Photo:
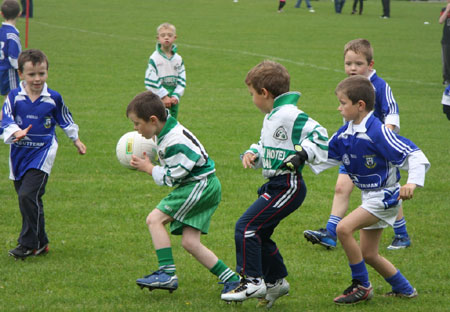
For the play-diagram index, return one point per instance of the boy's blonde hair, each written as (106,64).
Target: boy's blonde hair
(269,75)
(360,46)
(166,25)
(358,88)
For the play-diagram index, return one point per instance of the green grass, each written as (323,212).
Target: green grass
(95,209)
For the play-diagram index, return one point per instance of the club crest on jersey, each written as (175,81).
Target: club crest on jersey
(161,155)
(345,159)
(48,122)
(265,196)
(370,162)
(19,120)
(280,134)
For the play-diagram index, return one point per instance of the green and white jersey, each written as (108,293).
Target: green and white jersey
(284,127)
(165,76)
(182,157)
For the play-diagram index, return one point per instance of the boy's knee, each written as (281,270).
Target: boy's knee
(343,189)
(342,231)
(189,244)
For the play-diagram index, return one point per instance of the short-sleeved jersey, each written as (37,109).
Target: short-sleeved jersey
(372,153)
(37,150)
(165,76)
(10,46)
(284,127)
(182,157)
(386,108)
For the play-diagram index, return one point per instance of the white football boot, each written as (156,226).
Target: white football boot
(274,291)
(245,290)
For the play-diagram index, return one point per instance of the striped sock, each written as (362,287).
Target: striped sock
(400,227)
(332,224)
(224,273)
(165,260)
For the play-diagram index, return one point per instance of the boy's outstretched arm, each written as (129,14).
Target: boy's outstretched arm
(80,146)
(248,160)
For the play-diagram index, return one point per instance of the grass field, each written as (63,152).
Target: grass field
(95,209)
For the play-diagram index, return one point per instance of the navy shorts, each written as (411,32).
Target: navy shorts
(9,80)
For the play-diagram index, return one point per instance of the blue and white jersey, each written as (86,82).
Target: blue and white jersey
(372,153)
(10,46)
(37,150)
(386,108)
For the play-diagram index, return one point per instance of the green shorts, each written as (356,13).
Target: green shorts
(192,204)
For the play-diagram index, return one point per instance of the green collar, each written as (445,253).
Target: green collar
(158,48)
(286,98)
(171,122)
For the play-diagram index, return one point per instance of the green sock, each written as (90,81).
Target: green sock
(165,260)
(224,273)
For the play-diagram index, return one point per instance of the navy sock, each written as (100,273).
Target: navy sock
(400,284)
(359,272)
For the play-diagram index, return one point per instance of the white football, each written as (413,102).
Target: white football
(132,143)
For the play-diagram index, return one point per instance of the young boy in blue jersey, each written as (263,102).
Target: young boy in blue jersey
(286,131)
(184,164)
(165,75)
(9,50)
(358,60)
(371,154)
(30,114)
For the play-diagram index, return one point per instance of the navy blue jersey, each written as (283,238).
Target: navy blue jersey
(37,150)
(370,152)
(10,46)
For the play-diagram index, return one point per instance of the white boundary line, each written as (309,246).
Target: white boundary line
(275,58)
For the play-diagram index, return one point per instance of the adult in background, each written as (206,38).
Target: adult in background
(24,8)
(386,8)
(445,42)
(338,5)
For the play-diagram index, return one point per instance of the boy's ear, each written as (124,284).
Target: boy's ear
(266,93)
(362,105)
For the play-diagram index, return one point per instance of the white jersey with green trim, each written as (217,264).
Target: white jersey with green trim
(181,155)
(284,127)
(165,76)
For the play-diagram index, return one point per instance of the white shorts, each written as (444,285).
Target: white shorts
(383,204)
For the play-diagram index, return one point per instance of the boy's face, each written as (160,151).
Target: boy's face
(146,128)
(349,110)
(356,64)
(263,101)
(166,37)
(34,76)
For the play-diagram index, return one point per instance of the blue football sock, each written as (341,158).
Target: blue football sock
(332,224)
(400,227)
(359,272)
(400,284)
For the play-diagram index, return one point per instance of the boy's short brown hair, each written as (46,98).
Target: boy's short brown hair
(32,55)
(10,9)
(147,104)
(358,88)
(270,75)
(360,46)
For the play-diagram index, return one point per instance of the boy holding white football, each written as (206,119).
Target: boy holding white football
(287,132)
(165,75)
(184,164)
(372,154)
(30,114)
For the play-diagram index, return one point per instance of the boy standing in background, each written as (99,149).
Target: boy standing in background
(10,49)
(166,75)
